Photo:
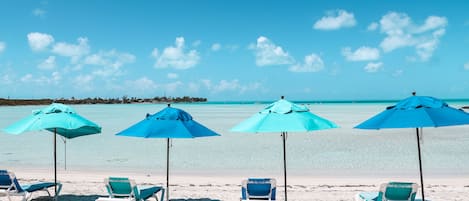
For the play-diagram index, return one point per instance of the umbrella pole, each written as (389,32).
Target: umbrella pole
(284,164)
(167,169)
(55,163)
(420,165)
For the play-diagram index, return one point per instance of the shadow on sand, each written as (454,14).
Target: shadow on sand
(70,198)
(196,199)
(94,197)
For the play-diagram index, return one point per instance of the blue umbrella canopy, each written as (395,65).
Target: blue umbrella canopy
(417,112)
(168,123)
(57,117)
(284,116)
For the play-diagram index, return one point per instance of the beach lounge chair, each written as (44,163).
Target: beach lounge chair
(392,191)
(123,187)
(10,186)
(258,189)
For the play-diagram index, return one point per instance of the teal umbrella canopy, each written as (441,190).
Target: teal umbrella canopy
(57,117)
(284,116)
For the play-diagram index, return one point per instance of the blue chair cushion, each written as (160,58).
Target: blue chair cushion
(37,186)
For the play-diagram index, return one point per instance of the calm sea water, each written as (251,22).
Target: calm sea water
(344,150)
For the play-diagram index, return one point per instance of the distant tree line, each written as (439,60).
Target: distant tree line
(97,100)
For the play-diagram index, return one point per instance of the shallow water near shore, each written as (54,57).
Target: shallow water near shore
(337,152)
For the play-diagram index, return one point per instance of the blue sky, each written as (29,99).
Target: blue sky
(234,50)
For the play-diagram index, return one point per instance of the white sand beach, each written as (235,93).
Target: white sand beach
(88,186)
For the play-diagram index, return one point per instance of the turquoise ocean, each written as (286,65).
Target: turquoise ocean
(343,151)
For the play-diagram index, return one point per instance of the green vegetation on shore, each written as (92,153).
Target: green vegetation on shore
(123,100)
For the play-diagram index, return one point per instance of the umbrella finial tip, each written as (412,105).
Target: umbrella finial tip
(169,104)
(282,97)
(413,93)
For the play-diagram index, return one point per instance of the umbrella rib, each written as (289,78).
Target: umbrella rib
(431,119)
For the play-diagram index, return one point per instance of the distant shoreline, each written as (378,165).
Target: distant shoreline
(123,100)
(185,99)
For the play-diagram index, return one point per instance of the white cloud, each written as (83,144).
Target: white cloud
(39,12)
(361,54)
(172,75)
(173,86)
(373,26)
(6,79)
(335,20)
(142,84)
(54,78)
(466,66)
(402,32)
(312,63)
(111,61)
(196,43)
(175,56)
(3,46)
(47,64)
(26,78)
(75,51)
(373,67)
(228,85)
(39,41)
(267,53)
(216,46)
(83,82)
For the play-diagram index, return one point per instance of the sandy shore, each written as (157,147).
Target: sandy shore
(88,186)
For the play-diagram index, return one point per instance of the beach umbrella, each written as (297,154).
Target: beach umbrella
(284,116)
(59,119)
(417,112)
(168,123)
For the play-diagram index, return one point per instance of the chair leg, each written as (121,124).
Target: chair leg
(8,195)
(26,196)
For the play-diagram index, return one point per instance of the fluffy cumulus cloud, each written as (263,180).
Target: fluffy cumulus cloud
(74,51)
(176,56)
(312,63)
(402,32)
(228,85)
(335,20)
(3,46)
(47,64)
(361,54)
(215,47)
(141,85)
(83,82)
(172,75)
(110,61)
(53,78)
(268,53)
(373,67)
(373,26)
(39,41)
